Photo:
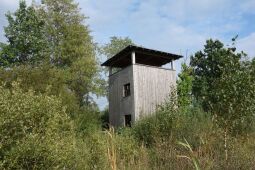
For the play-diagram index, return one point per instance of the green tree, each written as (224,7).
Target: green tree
(253,67)
(208,66)
(184,86)
(68,67)
(26,42)
(115,45)
(224,83)
(72,48)
(43,79)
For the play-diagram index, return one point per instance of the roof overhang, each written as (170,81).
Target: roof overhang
(142,55)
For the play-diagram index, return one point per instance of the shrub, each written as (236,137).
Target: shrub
(34,130)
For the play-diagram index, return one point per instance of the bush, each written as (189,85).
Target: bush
(35,131)
(87,121)
(163,132)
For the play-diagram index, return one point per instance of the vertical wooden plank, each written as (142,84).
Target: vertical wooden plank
(150,86)
(153,88)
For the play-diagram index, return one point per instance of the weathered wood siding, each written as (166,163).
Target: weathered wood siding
(119,105)
(152,86)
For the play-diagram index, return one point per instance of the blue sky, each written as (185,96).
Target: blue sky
(173,26)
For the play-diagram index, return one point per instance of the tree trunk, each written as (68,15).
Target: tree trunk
(225,144)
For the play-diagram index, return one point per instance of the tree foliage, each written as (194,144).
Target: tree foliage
(30,125)
(43,79)
(54,35)
(71,47)
(224,83)
(184,86)
(25,37)
(115,45)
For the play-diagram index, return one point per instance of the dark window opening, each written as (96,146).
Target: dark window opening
(128,120)
(126,90)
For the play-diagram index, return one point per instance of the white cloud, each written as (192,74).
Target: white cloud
(149,28)
(9,2)
(248,6)
(168,25)
(194,18)
(106,18)
(247,44)
(173,26)
(196,9)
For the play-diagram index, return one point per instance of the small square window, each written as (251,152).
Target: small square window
(126,90)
